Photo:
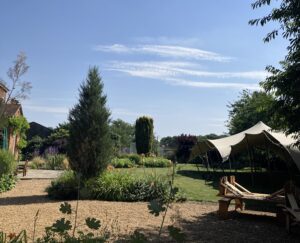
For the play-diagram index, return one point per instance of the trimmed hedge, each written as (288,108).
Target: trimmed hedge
(134,160)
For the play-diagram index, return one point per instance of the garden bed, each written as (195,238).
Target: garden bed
(198,220)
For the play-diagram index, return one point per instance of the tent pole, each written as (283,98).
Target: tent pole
(251,162)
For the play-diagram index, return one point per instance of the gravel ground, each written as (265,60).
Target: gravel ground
(198,220)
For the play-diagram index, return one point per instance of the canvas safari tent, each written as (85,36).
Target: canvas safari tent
(259,135)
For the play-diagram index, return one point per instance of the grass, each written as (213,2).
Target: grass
(187,179)
(196,184)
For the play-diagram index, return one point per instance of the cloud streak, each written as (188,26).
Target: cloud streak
(185,73)
(170,51)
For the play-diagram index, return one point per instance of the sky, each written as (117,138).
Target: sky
(180,62)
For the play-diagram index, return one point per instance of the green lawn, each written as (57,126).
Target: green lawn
(199,185)
(187,179)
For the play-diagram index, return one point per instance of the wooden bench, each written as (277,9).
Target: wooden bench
(23,168)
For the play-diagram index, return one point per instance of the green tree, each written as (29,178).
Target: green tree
(123,131)
(144,135)
(284,83)
(249,110)
(89,141)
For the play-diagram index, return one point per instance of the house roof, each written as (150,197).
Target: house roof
(12,109)
(2,85)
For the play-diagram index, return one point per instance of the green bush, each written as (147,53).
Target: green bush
(155,162)
(133,157)
(7,182)
(115,186)
(122,163)
(56,162)
(112,186)
(38,163)
(64,187)
(132,160)
(8,164)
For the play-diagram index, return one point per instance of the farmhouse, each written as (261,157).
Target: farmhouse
(9,140)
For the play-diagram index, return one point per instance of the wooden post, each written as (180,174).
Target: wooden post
(251,162)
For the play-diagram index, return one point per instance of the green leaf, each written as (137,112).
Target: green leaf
(176,234)
(156,207)
(92,223)
(65,208)
(61,226)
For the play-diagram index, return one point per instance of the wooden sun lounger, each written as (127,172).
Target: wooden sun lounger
(291,208)
(230,189)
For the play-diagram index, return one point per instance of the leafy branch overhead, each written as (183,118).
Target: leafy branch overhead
(284,82)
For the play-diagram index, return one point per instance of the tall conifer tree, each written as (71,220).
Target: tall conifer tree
(89,140)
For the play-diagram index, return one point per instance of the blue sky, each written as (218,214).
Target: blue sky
(180,62)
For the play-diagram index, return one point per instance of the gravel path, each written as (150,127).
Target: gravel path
(199,221)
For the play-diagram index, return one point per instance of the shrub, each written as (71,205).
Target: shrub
(132,160)
(7,182)
(38,163)
(8,164)
(64,187)
(112,186)
(155,162)
(122,163)
(56,162)
(116,186)
(133,157)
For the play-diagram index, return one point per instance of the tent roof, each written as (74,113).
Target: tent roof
(259,135)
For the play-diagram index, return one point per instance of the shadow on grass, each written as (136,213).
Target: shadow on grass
(240,227)
(262,182)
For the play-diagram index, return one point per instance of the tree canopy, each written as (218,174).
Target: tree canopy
(284,82)
(249,109)
(124,132)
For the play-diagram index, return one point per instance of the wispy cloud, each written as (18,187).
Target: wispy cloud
(171,51)
(174,69)
(185,73)
(196,84)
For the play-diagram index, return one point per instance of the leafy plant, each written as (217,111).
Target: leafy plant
(8,164)
(19,126)
(122,163)
(63,230)
(38,163)
(64,187)
(7,182)
(56,162)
